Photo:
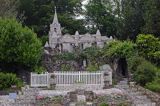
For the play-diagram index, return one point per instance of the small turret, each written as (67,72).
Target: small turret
(46,45)
(110,37)
(98,33)
(77,33)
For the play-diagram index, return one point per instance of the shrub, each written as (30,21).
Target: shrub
(66,56)
(144,73)
(39,69)
(9,79)
(154,85)
(18,45)
(148,47)
(104,104)
(123,104)
(134,62)
(118,49)
(92,68)
(65,67)
(91,53)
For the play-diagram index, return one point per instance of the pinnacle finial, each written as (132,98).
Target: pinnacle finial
(77,33)
(98,32)
(55,8)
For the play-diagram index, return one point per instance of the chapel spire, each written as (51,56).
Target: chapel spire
(55,20)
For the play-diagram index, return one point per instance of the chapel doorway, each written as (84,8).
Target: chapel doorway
(122,68)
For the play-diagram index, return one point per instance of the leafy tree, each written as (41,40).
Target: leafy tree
(148,47)
(101,15)
(19,45)
(37,14)
(8,8)
(70,25)
(151,17)
(132,13)
(40,13)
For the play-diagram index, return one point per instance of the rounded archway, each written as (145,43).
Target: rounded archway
(122,69)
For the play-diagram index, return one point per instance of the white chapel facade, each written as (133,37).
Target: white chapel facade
(68,42)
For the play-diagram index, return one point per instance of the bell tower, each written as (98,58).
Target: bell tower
(55,27)
(55,31)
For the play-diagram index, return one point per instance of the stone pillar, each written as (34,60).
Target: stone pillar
(106,81)
(52,82)
(107,75)
(84,63)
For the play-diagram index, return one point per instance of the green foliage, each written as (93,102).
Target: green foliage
(123,104)
(104,104)
(44,39)
(9,79)
(118,49)
(124,19)
(91,53)
(18,45)
(151,17)
(134,62)
(65,67)
(66,56)
(154,85)
(132,20)
(39,69)
(40,13)
(8,8)
(92,67)
(57,99)
(99,14)
(148,47)
(71,25)
(144,73)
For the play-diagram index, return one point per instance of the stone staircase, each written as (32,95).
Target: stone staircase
(137,97)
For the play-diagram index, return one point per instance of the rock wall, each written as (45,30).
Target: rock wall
(56,65)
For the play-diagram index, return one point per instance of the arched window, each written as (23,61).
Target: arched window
(55,29)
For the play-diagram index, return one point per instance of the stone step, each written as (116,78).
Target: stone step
(123,82)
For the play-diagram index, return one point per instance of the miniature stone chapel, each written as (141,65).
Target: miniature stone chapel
(67,42)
